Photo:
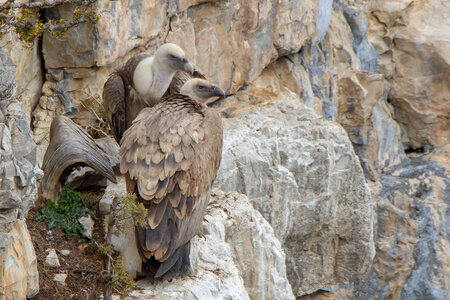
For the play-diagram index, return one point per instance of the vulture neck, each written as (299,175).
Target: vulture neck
(151,80)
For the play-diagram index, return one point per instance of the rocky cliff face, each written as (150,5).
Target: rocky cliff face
(19,175)
(412,38)
(301,173)
(311,84)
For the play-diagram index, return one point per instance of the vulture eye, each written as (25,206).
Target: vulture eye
(201,87)
(172,56)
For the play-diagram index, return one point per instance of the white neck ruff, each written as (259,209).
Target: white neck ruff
(151,80)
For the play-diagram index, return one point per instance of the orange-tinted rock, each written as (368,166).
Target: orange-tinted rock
(19,278)
(413,40)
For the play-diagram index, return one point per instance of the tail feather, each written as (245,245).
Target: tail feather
(177,264)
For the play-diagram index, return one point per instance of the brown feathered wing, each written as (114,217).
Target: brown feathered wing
(171,155)
(120,102)
(114,104)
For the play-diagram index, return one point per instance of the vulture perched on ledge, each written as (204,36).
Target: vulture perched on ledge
(140,83)
(170,156)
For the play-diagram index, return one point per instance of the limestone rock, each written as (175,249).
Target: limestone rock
(412,256)
(64,252)
(47,108)
(88,225)
(60,278)
(238,257)
(122,239)
(301,173)
(19,171)
(336,79)
(104,205)
(258,34)
(21,71)
(78,52)
(215,276)
(19,278)
(412,38)
(256,251)
(367,117)
(52,258)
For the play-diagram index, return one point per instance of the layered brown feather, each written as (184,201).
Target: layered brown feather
(171,155)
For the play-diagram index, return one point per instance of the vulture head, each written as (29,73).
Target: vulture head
(202,91)
(171,58)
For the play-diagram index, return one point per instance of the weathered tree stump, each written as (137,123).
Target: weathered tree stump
(70,146)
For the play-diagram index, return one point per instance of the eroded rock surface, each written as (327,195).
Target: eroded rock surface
(412,38)
(412,250)
(323,51)
(21,72)
(18,264)
(299,170)
(238,256)
(19,173)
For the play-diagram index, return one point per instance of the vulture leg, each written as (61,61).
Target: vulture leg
(70,146)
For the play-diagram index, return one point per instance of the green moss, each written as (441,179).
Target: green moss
(71,206)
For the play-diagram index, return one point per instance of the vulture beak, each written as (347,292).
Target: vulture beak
(188,66)
(217,91)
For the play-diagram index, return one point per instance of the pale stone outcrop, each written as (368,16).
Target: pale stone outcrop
(21,72)
(19,173)
(336,79)
(238,256)
(301,173)
(52,259)
(257,253)
(364,112)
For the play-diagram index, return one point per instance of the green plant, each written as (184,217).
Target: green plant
(124,210)
(122,282)
(131,209)
(71,206)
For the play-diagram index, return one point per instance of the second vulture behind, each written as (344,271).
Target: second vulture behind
(140,83)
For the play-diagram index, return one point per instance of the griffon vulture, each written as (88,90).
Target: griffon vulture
(170,156)
(140,83)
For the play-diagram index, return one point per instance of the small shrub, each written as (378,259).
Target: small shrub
(122,282)
(132,209)
(99,127)
(71,206)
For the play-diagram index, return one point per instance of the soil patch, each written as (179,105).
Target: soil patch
(83,265)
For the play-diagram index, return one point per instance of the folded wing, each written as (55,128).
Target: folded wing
(171,155)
